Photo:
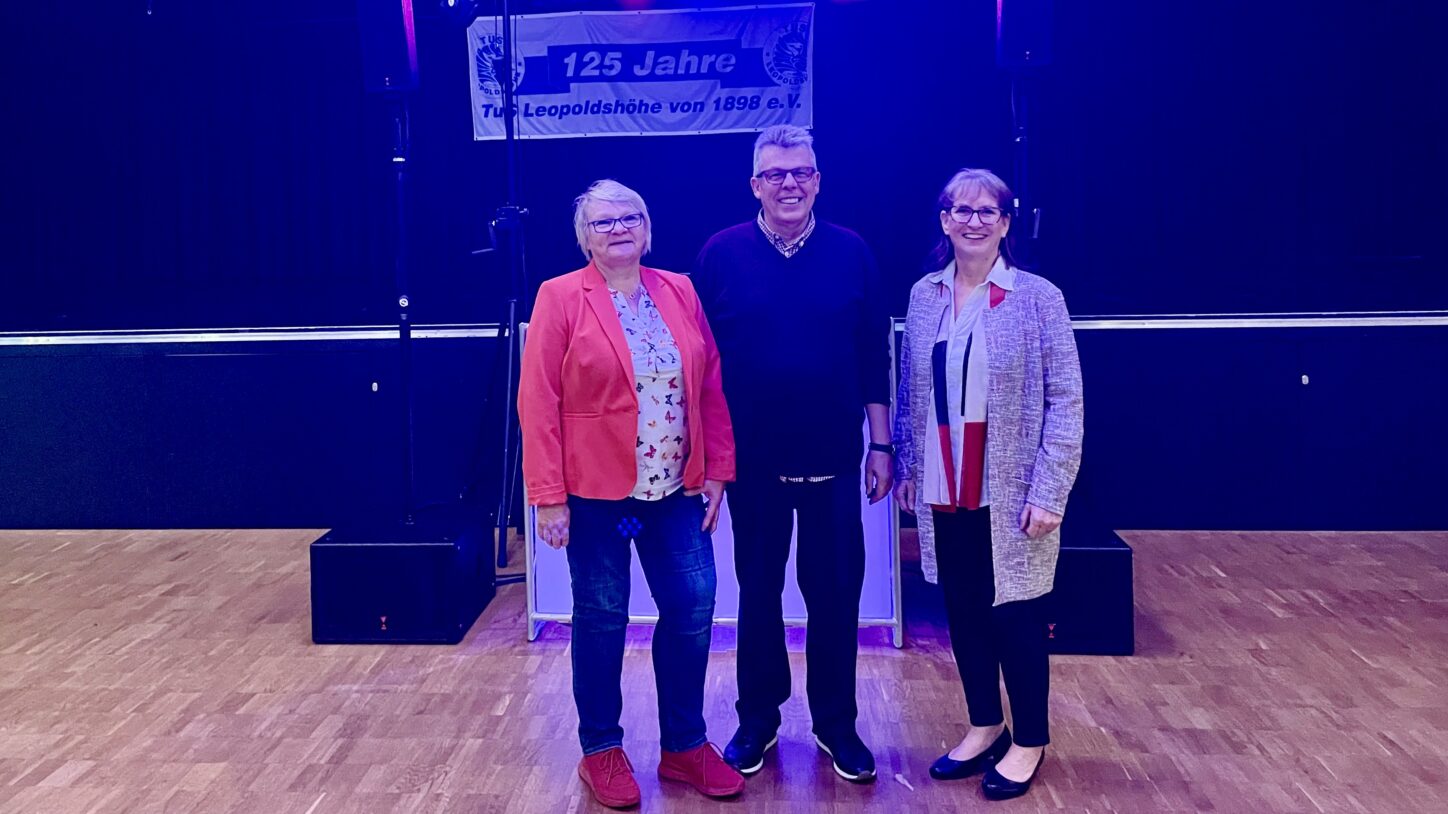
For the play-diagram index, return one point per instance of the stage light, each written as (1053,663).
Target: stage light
(460,11)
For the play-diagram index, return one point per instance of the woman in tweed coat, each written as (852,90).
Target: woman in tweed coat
(988,432)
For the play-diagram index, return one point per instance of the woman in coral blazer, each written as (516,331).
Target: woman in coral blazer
(626,438)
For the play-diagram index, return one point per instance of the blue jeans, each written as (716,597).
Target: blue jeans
(678,562)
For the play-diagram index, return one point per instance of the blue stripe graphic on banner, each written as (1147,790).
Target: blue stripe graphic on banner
(726,61)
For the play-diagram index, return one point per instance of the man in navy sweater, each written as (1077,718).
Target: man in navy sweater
(795,304)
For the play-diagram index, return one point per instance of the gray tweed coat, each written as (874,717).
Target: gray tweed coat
(1033,424)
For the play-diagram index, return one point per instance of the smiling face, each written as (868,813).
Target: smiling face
(787,204)
(619,246)
(974,239)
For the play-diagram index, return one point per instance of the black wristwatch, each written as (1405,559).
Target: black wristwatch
(885,448)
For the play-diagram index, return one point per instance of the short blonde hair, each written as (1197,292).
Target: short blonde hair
(613,192)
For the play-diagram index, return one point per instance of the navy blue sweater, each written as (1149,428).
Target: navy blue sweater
(804,342)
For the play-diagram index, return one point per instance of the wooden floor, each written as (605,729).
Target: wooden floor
(173,671)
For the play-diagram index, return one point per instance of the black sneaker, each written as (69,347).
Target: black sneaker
(746,749)
(851,757)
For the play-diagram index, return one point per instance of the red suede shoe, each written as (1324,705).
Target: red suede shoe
(703,768)
(609,775)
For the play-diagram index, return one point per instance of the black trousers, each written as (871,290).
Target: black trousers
(831,569)
(988,641)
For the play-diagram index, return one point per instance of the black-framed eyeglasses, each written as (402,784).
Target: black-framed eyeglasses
(987,215)
(801,174)
(605,225)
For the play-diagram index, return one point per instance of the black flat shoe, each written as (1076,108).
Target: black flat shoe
(996,786)
(947,769)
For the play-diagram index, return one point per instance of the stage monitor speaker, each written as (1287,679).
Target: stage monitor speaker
(389,44)
(1092,610)
(1023,33)
(391,583)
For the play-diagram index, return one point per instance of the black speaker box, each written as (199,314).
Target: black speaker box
(424,583)
(389,44)
(1092,610)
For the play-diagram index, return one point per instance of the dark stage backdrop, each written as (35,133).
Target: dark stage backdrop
(218,164)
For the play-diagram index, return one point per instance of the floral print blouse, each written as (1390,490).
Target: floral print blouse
(662,444)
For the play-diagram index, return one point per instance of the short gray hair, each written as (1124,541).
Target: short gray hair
(785,137)
(613,192)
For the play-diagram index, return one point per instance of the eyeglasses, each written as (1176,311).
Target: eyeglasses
(605,225)
(986,214)
(801,174)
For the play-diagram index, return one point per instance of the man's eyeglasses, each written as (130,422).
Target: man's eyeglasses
(986,214)
(605,225)
(801,174)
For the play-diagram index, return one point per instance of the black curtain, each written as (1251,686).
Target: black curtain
(218,164)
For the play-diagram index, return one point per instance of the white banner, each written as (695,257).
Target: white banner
(646,73)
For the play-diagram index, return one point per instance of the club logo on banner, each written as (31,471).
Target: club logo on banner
(489,58)
(630,73)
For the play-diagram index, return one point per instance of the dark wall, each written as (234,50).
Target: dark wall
(218,164)
(275,434)
(1185,429)
(1264,428)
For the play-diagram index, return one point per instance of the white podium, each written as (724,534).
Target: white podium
(550,598)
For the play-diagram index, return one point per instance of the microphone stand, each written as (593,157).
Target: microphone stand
(508,221)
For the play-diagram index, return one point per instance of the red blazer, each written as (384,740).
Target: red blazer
(576,400)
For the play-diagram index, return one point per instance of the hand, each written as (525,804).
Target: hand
(713,493)
(553,524)
(1036,522)
(905,495)
(878,475)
